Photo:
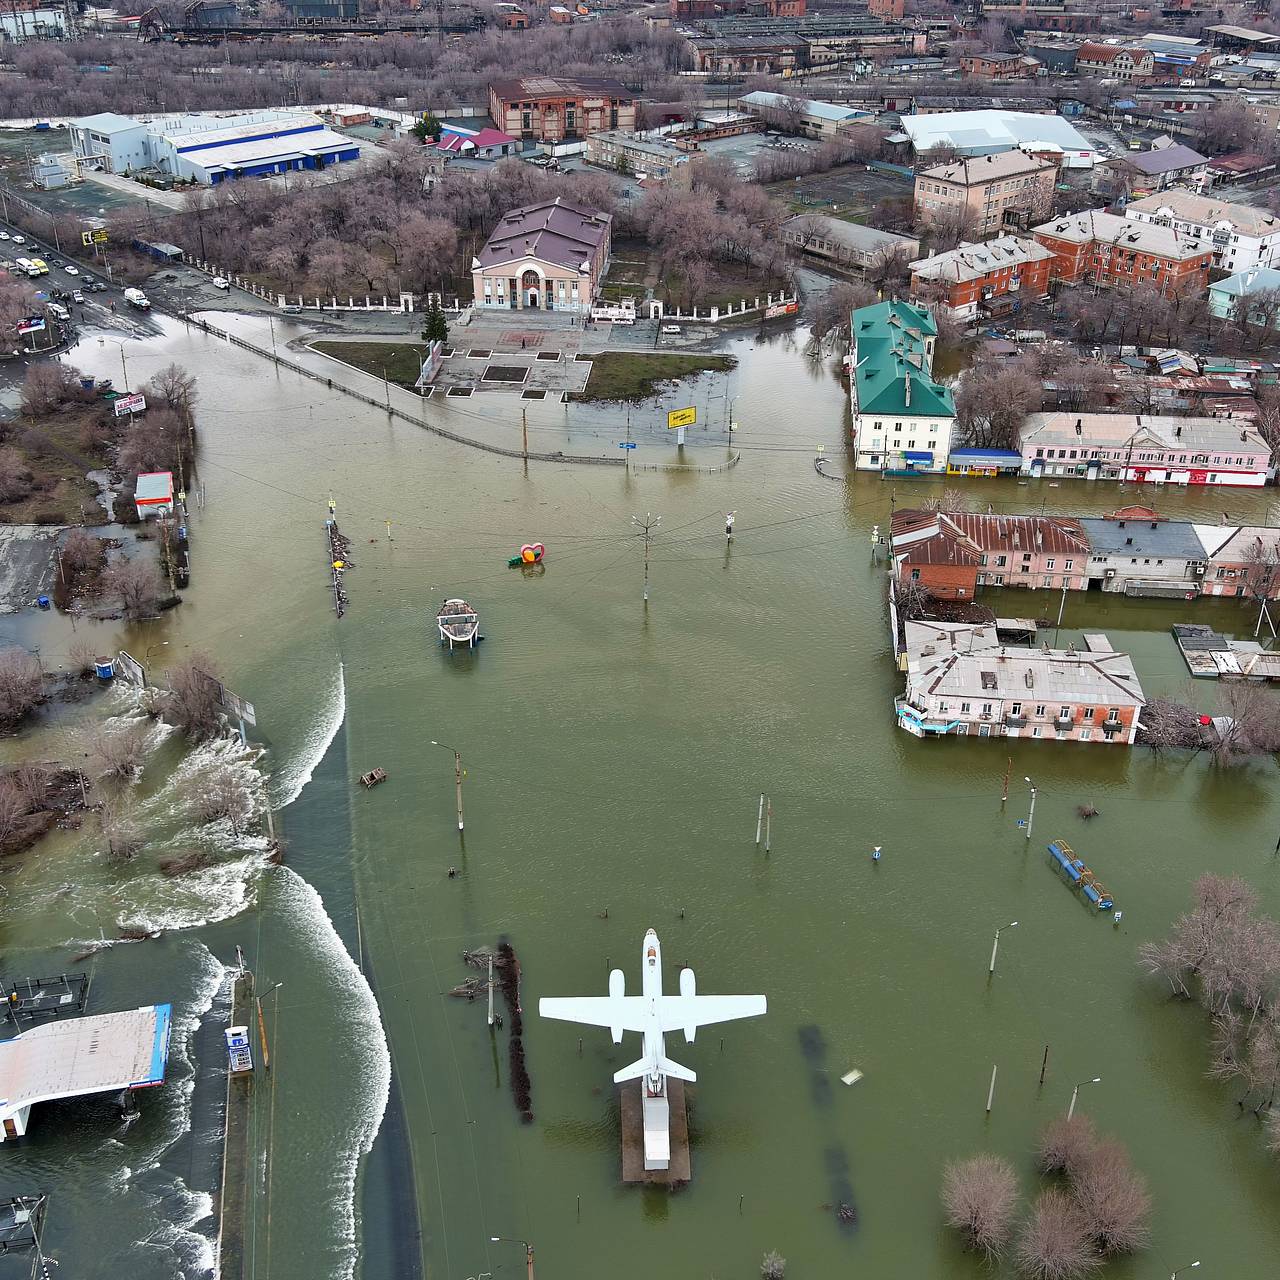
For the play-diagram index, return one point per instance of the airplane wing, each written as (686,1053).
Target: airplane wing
(679,1012)
(626,1012)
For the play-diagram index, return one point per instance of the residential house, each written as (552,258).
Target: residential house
(1144,447)
(1031,551)
(902,418)
(999,66)
(1242,236)
(476,144)
(1142,172)
(1114,61)
(1136,552)
(1105,249)
(929,548)
(993,278)
(1241,560)
(848,244)
(555,109)
(1229,298)
(961,679)
(549,256)
(980,193)
(652,160)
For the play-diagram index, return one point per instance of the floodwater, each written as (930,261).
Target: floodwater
(614,756)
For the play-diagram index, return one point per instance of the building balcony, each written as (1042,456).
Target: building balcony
(1015,722)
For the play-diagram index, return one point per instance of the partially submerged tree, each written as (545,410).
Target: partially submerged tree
(1066,1145)
(1168,723)
(118,753)
(191,701)
(992,403)
(1055,1244)
(1113,1200)
(136,584)
(773,1266)
(21,685)
(979,1197)
(220,791)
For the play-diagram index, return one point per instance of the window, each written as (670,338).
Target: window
(964,708)
(1001,561)
(1113,713)
(986,708)
(1040,711)
(1048,564)
(1035,732)
(1026,555)
(1064,713)
(1088,713)
(1066,564)
(1086,735)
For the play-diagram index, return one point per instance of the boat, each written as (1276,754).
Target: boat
(459,624)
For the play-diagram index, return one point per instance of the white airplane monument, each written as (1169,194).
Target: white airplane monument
(653,1015)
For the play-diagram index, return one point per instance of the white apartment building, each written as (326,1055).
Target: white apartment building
(1241,236)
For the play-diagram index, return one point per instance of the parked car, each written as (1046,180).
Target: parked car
(56,263)
(71,271)
(77,296)
(221,282)
(4,235)
(17,239)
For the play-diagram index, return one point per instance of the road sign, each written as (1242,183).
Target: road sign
(626,444)
(1022,822)
(88,238)
(681,418)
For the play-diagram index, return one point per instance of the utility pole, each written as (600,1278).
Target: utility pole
(524,431)
(648,529)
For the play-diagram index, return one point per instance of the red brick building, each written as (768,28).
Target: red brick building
(928,548)
(999,66)
(887,9)
(1101,248)
(1115,61)
(990,278)
(551,109)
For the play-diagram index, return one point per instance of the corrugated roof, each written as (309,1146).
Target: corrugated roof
(892,366)
(554,231)
(969,262)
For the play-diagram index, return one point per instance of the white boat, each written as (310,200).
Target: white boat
(459,624)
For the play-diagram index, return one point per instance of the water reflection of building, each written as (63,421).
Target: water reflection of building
(549,256)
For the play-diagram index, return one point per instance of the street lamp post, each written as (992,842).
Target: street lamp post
(124,368)
(528,1250)
(1188,1267)
(1071,1110)
(1013,924)
(1031,812)
(457,776)
(262,1026)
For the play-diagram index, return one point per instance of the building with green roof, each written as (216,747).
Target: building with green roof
(902,418)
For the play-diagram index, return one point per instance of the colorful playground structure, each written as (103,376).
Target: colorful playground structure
(1078,876)
(530,553)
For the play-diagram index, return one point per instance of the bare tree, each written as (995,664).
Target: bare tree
(979,1197)
(35,782)
(21,685)
(1055,1244)
(1168,723)
(191,702)
(1066,1146)
(175,389)
(950,501)
(829,312)
(46,388)
(1113,1200)
(121,832)
(1250,719)
(992,403)
(81,551)
(773,1266)
(118,753)
(15,476)
(136,584)
(914,599)
(83,657)
(219,792)
(14,811)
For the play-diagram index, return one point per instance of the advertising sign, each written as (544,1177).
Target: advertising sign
(681,418)
(134,403)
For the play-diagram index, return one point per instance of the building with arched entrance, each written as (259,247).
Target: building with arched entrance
(544,257)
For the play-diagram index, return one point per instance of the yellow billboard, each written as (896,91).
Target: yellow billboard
(681,418)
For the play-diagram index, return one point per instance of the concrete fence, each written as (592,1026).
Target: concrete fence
(714,315)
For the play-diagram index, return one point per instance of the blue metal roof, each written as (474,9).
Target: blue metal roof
(996,455)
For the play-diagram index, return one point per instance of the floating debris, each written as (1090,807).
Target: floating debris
(851,1077)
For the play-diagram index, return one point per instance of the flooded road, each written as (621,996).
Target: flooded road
(614,756)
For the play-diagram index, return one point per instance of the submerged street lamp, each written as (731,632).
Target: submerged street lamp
(1071,1110)
(457,776)
(1031,812)
(1013,924)
(1188,1267)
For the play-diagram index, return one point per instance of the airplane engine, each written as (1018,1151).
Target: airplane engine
(689,987)
(617,989)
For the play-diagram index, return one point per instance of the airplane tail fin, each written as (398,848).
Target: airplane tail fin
(640,1068)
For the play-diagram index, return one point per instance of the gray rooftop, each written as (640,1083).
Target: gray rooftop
(1168,539)
(853,235)
(553,231)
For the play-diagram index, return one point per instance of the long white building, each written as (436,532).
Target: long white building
(209,149)
(1241,236)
